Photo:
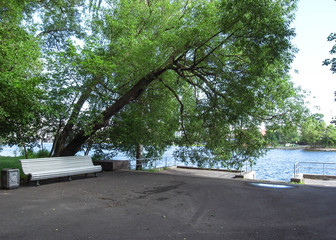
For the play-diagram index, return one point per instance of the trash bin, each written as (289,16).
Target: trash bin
(10,178)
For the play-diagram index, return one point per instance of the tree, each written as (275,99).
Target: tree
(233,55)
(313,130)
(165,42)
(224,63)
(282,134)
(20,68)
(145,128)
(331,61)
(329,138)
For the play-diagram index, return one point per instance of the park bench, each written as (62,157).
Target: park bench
(55,167)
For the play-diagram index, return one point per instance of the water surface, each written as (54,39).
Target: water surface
(277,164)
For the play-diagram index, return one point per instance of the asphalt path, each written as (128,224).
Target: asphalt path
(142,205)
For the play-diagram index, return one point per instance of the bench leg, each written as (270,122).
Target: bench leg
(96,175)
(86,174)
(37,183)
(69,178)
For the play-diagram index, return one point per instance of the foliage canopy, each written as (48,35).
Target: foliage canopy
(331,61)
(193,73)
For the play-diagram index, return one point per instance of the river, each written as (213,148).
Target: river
(277,164)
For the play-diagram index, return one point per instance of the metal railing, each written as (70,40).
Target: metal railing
(154,163)
(248,164)
(170,161)
(322,168)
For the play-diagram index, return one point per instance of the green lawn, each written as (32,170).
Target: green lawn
(11,162)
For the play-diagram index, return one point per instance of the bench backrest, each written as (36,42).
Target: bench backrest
(54,163)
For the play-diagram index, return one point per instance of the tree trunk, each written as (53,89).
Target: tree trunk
(89,147)
(81,137)
(138,157)
(25,150)
(66,132)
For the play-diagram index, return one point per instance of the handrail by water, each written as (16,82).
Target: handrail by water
(156,162)
(170,161)
(312,165)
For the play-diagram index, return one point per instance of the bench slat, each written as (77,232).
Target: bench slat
(45,175)
(44,168)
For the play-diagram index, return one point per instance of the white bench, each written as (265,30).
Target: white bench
(54,167)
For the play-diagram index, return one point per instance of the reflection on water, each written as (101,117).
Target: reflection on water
(277,164)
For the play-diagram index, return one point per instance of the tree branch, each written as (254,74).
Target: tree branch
(74,115)
(103,119)
(181,108)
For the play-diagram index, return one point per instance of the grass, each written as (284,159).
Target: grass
(301,182)
(11,162)
(155,169)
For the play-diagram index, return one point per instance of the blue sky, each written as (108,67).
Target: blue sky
(315,20)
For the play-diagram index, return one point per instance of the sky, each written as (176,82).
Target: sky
(315,20)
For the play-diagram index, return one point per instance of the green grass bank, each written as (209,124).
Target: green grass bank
(12,162)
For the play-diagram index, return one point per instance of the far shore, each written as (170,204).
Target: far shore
(306,148)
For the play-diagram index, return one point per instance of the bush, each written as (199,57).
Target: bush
(31,154)
(41,153)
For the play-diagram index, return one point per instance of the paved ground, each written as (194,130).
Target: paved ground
(322,183)
(230,175)
(200,173)
(140,205)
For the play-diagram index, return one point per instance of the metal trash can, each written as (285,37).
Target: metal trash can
(10,178)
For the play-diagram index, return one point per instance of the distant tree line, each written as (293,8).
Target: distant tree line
(313,131)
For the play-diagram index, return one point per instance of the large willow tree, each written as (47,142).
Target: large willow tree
(152,73)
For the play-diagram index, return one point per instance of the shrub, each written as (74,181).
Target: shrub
(41,153)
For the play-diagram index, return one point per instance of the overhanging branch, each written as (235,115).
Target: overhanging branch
(181,108)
